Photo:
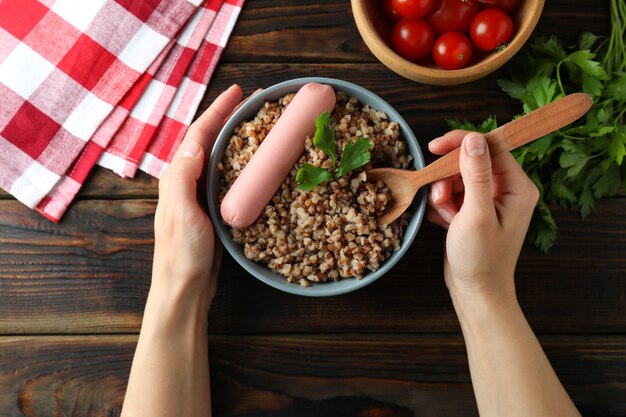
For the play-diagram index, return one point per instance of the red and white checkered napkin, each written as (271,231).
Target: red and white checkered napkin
(77,76)
(176,91)
(181,110)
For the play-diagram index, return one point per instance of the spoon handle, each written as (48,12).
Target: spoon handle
(518,132)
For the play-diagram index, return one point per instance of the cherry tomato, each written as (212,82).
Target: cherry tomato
(452,51)
(507,6)
(490,29)
(391,11)
(411,9)
(452,15)
(412,39)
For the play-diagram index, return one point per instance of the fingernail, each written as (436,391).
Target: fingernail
(445,214)
(475,144)
(258,90)
(192,149)
(435,189)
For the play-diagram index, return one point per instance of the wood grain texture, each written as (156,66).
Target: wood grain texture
(83,273)
(91,273)
(296,375)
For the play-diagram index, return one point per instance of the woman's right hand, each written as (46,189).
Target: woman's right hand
(487,210)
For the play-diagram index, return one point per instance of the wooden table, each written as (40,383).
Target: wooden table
(72,295)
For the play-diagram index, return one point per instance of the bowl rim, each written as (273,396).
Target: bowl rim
(433,76)
(262,272)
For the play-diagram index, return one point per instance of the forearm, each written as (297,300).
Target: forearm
(510,372)
(170,371)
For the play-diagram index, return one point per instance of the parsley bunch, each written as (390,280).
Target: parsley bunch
(355,154)
(583,162)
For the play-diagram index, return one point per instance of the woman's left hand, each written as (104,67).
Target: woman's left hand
(185,256)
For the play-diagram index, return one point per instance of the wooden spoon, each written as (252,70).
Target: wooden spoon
(404,184)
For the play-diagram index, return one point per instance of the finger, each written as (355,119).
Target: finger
(440,191)
(511,178)
(448,142)
(257,91)
(514,190)
(208,125)
(457,185)
(434,217)
(182,177)
(201,133)
(475,166)
(446,210)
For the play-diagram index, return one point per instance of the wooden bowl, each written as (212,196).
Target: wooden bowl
(376,27)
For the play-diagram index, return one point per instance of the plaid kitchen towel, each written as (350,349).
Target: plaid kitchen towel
(130,142)
(179,115)
(64,65)
(134,114)
(111,52)
(60,197)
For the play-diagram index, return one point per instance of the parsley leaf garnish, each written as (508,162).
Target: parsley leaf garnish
(355,155)
(325,137)
(309,176)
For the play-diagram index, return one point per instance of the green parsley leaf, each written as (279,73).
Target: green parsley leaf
(325,137)
(617,147)
(587,40)
(575,162)
(355,154)
(584,60)
(513,88)
(542,230)
(616,89)
(608,184)
(309,176)
(550,47)
(540,91)
(487,125)
(587,201)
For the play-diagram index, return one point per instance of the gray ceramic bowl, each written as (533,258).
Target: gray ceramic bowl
(262,272)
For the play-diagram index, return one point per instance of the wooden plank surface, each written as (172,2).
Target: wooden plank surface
(92,272)
(390,349)
(253,376)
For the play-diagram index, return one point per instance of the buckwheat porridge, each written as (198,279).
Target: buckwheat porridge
(330,232)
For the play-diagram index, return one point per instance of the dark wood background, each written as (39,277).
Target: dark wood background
(72,295)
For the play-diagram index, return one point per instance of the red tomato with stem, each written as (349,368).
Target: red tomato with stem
(507,6)
(390,11)
(411,9)
(491,29)
(412,39)
(452,15)
(452,51)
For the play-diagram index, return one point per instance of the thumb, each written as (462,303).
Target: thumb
(475,167)
(183,176)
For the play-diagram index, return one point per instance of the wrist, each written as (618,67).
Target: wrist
(483,304)
(176,309)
